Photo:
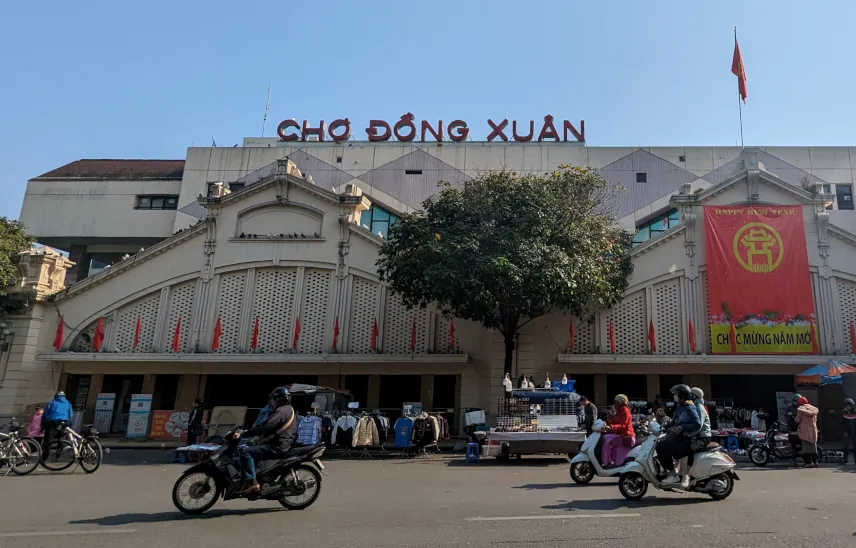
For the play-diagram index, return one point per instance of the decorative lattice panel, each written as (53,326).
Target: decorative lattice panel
(273,305)
(146,309)
(847,302)
(83,341)
(442,342)
(667,317)
(630,325)
(314,312)
(584,342)
(363,314)
(398,329)
(229,303)
(706,301)
(180,306)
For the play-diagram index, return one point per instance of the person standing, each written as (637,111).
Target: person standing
(849,429)
(806,420)
(34,429)
(589,414)
(194,422)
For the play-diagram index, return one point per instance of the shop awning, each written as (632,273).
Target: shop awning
(829,373)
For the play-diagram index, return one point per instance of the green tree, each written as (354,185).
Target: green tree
(507,248)
(13,240)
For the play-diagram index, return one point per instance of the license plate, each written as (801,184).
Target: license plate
(320,464)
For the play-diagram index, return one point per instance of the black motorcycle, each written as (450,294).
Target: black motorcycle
(762,452)
(294,480)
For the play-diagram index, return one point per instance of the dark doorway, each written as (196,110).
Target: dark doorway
(251,391)
(666,384)
(166,388)
(397,389)
(751,391)
(358,386)
(584,385)
(635,387)
(445,392)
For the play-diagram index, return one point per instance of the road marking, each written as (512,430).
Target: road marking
(69,533)
(556,516)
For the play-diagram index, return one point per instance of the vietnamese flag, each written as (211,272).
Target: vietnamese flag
(98,339)
(571,334)
(254,342)
(738,70)
(218,332)
(176,337)
(296,334)
(373,344)
(852,338)
(58,338)
(137,331)
(692,337)
(732,337)
(611,337)
(335,333)
(652,339)
(815,346)
(451,334)
(413,336)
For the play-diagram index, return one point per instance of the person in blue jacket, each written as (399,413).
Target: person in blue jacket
(56,412)
(685,424)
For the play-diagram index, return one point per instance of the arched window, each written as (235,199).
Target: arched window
(656,226)
(378,221)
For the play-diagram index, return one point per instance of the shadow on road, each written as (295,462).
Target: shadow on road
(528,462)
(618,504)
(125,519)
(549,486)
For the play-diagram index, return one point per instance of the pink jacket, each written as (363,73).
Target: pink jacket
(807,423)
(34,430)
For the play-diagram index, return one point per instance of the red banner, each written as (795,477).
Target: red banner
(758,281)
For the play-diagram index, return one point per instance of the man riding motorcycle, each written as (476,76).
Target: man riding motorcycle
(277,434)
(686,423)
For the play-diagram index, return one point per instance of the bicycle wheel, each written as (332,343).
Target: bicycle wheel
(90,455)
(25,456)
(58,456)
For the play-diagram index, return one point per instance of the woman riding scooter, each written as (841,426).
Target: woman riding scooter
(621,437)
(686,422)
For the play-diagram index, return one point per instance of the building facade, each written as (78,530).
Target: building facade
(270,250)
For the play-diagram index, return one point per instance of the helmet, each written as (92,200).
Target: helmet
(796,397)
(697,392)
(682,391)
(621,398)
(60,393)
(280,396)
(849,403)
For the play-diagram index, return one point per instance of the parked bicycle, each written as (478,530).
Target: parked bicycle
(71,447)
(20,453)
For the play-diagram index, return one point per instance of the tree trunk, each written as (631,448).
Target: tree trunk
(509,353)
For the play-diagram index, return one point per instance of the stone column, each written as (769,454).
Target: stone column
(652,385)
(600,395)
(427,394)
(188,389)
(148,384)
(373,397)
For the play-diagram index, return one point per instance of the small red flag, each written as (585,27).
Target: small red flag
(413,336)
(176,337)
(137,331)
(732,338)
(373,344)
(692,337)
(652,339)
(296,334)
(335,333)
(852,338)
(738,69)
(451,334)
(98,339)
(815,345)
(58,338)
(254,342)
(218,332)
(611,337)
(571,334)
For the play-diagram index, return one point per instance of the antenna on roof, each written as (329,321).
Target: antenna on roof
(267,108)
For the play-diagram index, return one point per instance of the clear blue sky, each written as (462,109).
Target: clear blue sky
(109,79)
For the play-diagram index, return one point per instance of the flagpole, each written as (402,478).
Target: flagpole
(739,100)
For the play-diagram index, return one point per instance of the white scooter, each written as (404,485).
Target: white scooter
(586,464)
(712,471)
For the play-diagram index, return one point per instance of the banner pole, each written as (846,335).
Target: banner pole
(739,102)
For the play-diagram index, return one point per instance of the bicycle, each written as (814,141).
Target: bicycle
(18,451)
(72,447)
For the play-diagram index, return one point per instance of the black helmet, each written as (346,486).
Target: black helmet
(280,396)
(682,391)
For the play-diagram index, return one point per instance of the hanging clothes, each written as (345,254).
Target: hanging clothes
(309,430)
(366,432)
(403,432)
(423,431)
(382,424)
(343,433)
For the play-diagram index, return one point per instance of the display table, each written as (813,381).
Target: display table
(533,443)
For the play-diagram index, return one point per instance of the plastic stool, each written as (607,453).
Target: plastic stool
(473,452)
(732,444)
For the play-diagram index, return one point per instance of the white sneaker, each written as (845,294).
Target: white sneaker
(671,478)
(685,482)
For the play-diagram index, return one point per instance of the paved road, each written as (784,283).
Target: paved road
(437,502)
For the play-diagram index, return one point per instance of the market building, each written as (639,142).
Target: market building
(238,269)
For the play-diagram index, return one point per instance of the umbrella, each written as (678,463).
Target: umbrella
(825,373)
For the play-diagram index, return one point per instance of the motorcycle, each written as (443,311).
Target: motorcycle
(762,452)
(712,471)
(586,464)
(294,480)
